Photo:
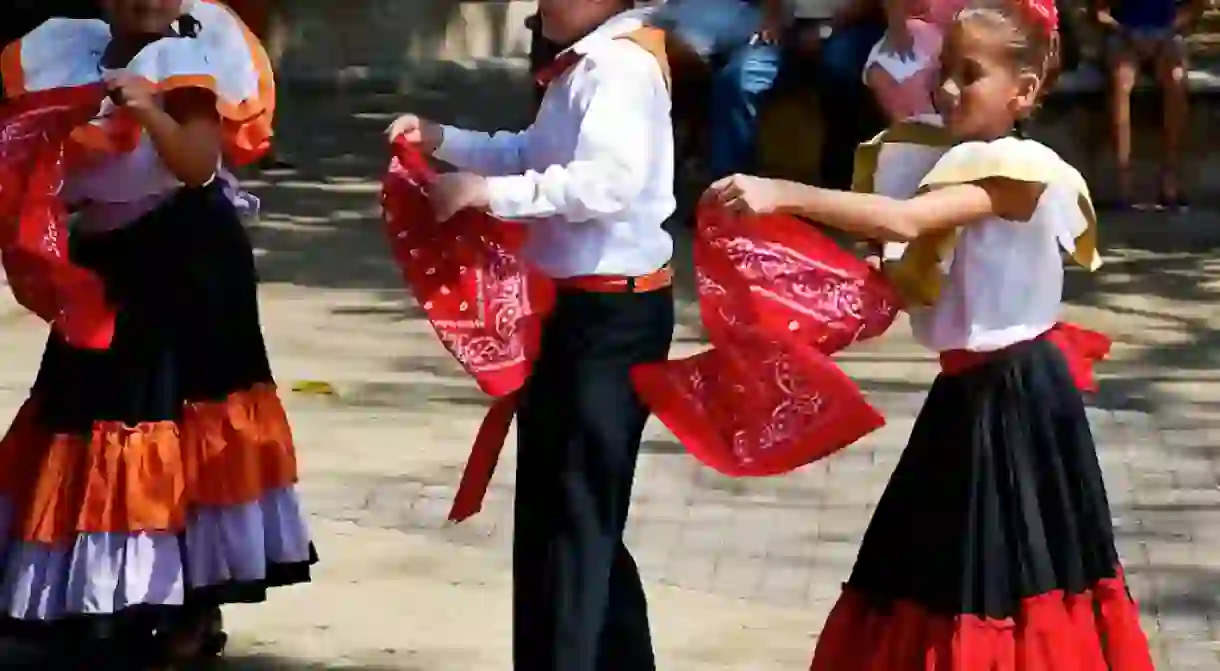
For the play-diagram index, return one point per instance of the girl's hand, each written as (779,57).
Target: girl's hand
(746,194)
(132,92)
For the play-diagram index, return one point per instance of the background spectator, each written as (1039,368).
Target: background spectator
(739,39)
(849,110)
(1149,32)
(739,85)
(904,82)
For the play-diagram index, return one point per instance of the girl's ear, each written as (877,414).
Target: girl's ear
(1029,89)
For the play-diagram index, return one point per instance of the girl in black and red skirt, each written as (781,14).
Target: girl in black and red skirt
(147,483)
(992,548)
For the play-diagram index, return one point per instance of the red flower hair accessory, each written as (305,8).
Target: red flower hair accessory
(1042,13)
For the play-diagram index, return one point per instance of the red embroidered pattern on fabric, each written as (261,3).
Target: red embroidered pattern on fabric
(484,303)
(33,220)
(776,297)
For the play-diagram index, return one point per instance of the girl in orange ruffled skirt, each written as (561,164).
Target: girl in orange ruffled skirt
(146,484)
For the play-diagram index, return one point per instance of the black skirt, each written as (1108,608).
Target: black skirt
(992,547)
(160,472)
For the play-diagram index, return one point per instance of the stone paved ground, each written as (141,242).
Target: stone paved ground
(741,573)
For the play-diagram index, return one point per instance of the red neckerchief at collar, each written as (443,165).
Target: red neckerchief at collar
(565,61)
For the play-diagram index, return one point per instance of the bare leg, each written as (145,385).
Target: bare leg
(1171,74)
(1123,72)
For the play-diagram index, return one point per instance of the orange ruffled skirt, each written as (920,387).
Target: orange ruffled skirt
(159,472)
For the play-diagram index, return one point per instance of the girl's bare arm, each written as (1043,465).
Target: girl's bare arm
(186,134)
(890,219)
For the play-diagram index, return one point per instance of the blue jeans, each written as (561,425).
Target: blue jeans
(737,88)
(850,113)
(845,51)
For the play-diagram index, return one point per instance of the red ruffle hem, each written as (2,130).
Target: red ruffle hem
(33,220)
(777,298)
(1097,630)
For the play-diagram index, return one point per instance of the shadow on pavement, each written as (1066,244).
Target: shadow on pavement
(254,662)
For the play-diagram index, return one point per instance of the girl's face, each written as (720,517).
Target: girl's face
(983,91)
(142,17)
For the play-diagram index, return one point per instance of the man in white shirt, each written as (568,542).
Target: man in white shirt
(593,179)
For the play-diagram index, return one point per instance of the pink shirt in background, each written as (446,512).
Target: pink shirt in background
(904,86)
(939,12)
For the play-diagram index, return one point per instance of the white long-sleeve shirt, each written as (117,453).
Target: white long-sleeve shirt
(594,174)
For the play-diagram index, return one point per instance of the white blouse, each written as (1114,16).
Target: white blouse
(1003,282)
(119,185)
(900,168)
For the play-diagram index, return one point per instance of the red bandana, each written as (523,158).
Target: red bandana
(33,221)
(776,297)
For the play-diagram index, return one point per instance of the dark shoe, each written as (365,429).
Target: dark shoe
(194,636)
(1173,205)
(1117,205)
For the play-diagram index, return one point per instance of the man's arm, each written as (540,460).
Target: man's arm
(1188,16)
(773,19)
(855,10)
(482,153)
(613,153)
(1101,14)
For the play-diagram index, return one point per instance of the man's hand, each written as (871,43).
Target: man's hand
(1186,20)
(455,191)
(772,26)
(898,41)
(418,131)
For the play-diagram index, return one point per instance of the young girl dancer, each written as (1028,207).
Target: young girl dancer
(992,547)
(143,485)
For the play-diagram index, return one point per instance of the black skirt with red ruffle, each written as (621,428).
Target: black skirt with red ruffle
(992,548)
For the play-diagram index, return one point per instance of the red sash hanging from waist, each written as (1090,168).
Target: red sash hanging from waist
(776,297)
(33,219)
(486,305)
(1081,349)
